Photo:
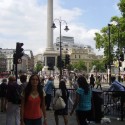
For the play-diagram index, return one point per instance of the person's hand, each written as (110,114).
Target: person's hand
(45,122)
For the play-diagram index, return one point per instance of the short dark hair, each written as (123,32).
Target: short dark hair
(113,78)
(4,80)
(23,78)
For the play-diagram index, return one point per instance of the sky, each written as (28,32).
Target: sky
(25,21)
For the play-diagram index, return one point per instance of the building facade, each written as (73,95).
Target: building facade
(8,54)
(3,65)
(77,52)
(6,60)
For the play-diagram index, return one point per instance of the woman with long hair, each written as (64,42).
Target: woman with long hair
(33,103)
(64,94)
(82,102)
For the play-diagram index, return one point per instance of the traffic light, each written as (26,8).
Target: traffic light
(121,58)
(15,58)
(67,59)
(60,62)
(19,51)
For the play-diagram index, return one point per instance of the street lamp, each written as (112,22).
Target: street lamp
(66,29)
(109,53)
(118,26)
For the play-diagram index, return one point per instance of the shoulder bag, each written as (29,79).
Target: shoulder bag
(59,103)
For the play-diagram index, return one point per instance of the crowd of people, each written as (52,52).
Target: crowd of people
(27,103)
(23,103)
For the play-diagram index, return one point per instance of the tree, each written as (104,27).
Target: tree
(102,38)
(80,65)
(70,67)
(121,6)
(38,67)
(100,65)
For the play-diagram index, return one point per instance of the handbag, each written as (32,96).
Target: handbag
(59,103)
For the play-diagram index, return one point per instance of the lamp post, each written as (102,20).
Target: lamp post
(118,50)
(118,26)
(66,29)
(109,53)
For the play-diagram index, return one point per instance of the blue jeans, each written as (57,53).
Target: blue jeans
(33,121)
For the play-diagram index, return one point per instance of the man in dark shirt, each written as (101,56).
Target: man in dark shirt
(3,88)
(13,107)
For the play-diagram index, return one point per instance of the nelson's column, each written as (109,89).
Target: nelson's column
(50,55)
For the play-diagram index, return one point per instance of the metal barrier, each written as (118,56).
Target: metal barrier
(112,102)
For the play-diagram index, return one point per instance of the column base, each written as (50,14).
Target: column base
(50,72)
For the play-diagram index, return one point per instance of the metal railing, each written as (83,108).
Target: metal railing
(113,103)
(111,106)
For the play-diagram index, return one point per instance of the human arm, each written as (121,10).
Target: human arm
(43,108)
(22,110)
(75,104)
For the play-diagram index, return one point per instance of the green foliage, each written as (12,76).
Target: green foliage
(80,65)
(38,67)
(70,67)
(100,65)
(117,34)
(121,6)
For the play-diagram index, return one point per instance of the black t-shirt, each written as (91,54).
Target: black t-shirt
(3,89)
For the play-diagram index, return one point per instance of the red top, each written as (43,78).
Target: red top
(32,108)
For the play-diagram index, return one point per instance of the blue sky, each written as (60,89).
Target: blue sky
(25,21)
(96,13)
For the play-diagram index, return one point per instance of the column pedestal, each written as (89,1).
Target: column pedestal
(50,58)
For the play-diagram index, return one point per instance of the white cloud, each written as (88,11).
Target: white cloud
(22,21)
(25,21)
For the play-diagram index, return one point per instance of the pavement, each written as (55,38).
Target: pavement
(71,120)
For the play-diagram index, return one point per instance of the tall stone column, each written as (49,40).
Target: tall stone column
(49,25)
(50,55)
